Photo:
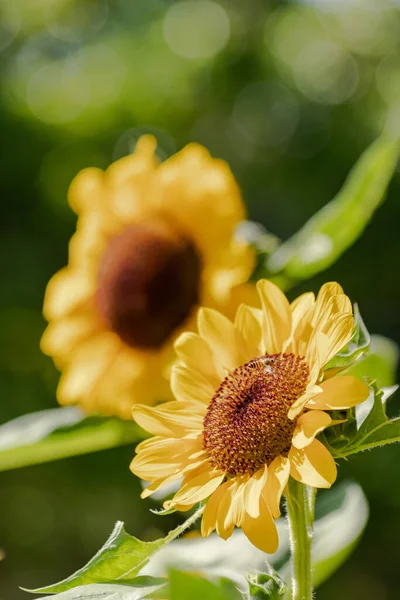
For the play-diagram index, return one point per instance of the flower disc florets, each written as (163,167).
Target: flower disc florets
(149,282)
(246,425)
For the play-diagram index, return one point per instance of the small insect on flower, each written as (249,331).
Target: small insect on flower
(250,400)
(153,242)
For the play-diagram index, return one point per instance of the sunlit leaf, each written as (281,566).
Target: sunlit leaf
(190,586)
(334,228)
(380,363)
(342,515)
(120,559)
(58,433)
(142,587)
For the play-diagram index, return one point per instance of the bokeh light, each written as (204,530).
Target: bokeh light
(196,29)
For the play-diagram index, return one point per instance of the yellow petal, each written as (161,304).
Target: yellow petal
(209,520)
(199,486)
(236,511)
(248,322)
(245,293)
(308,426)
(67,291)
(196,354)
(189,385)
(252,491)
(171,419)
(91,362)
(159,483)
(313,465)
(278,475)
(277,322)
(87,190)
(300,308)
(262,531)
(224,526)
(340,392)
(222,337)
(339,335)
(63,335)
(324,295)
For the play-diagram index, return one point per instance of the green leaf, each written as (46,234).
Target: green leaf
(120,559)
(263,586)
(342,515)
(367,426)
(59,433)
(334,228)
(380,363)
(190,586)
(141,587)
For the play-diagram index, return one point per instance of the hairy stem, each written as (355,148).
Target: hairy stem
(300,514)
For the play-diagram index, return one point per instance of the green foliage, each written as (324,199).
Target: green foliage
(141,587)
(341,517)
(185,586)
(367,426)
(120,559)
(322,240)
(380,363)
(58,433)
(266,586)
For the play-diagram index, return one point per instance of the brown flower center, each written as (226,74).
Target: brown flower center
(149,282)
(247,424)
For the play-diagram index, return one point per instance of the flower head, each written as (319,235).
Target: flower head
(250,400)
(153,242)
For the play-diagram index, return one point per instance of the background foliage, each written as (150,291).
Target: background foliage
(290,94)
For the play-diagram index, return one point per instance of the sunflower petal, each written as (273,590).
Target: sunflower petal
(326,292)
(252,491)
(339,393)
(189,385)
(172,419)
(199,486)
(196,354)
(277,322)
(222,337)
(278,475)
(209,520)
(262,531)
(248,322)
(224,526)
(67,291)
(313,465)
(339,335)
(308,426)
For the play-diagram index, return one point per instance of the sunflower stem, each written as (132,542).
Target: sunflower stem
(300,514)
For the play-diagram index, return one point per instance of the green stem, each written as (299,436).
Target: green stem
(300,514)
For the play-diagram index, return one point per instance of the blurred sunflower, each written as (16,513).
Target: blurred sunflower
(153,242)
(250,401)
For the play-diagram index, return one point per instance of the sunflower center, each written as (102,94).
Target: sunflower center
(148,283)
(246,425)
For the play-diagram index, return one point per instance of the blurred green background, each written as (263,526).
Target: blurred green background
(290,94)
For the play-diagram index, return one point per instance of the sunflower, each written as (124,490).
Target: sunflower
(153,242)
(250,400)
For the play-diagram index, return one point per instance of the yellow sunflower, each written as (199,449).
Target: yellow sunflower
(153,242)
(250,400)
